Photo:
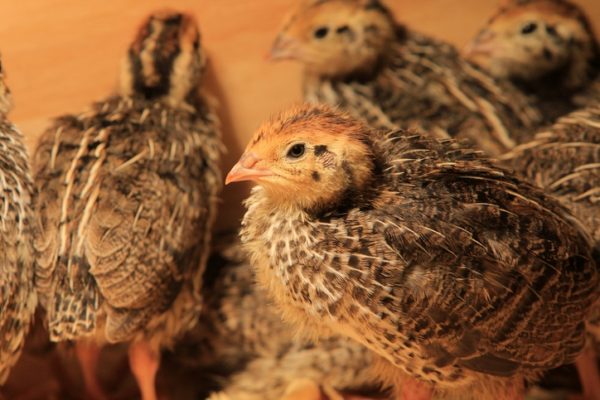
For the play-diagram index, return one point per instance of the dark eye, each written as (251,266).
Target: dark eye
(296,151)
(528,28)
(321,32)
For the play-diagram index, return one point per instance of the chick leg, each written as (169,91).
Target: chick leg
(303,389)
(412,389)
(144,363)
(589,376)
(88,354)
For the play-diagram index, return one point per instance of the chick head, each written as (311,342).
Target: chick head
(165,60)
(308,157)
(528,40)
(335,38)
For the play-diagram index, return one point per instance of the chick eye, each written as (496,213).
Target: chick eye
(321,32)
(528,28)
(296,151)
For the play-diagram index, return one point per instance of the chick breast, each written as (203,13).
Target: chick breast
(126,201)
(17,293)
(241,334)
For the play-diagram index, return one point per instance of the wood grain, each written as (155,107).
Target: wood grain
(60,55)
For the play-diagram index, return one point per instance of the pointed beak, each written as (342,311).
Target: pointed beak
(247,170)
(484,44)
(284,48)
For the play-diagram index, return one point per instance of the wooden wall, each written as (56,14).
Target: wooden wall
(62,54)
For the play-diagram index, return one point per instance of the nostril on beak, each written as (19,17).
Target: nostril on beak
(249,160)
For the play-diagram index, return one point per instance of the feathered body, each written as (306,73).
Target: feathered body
(127,198)
(400,78)
(241,334)
(565,161)
(452,270)
(17,293)
(547,48)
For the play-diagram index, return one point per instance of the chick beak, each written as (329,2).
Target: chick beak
(284,48)
(247,170)
(484,44)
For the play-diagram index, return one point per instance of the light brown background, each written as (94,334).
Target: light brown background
(60,55)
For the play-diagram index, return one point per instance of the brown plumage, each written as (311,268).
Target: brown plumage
(16,239)
(565,161)
(547,48)
(241,334)
(356,56)
(456,273)
(127,198)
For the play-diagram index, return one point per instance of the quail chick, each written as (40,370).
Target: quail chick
(565,160)
(127,200)
(259,356)
(464,279)
(17,292)
(547,48)
(355,55)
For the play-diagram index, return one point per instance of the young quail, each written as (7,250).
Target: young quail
(127,200)
(464,279)
(259,355)
(565,161)
(546,47)
(356,56)
(17,292)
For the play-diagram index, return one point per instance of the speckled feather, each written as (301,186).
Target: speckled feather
(565,161)
(127,200)
(17,295)
(449,268)
(241,334)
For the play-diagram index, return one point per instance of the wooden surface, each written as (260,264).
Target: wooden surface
(60,55)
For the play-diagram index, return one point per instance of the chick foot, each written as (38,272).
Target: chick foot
(88,354)
(304,389)
(414,390)
(144,363)
(589,376)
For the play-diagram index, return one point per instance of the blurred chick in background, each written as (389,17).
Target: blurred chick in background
(17,295)
(127,194)
(547,48)
(355,55)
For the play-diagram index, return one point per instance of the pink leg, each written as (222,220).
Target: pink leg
(414,390)
(88,354)
(144,364)
(589,376)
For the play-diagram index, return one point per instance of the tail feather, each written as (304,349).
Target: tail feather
(72,314)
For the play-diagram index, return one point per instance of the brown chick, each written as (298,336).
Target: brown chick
(126,202)
(355,55)
(464,279)
(242,340)
(547,48)
(565,161)
(17,292)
